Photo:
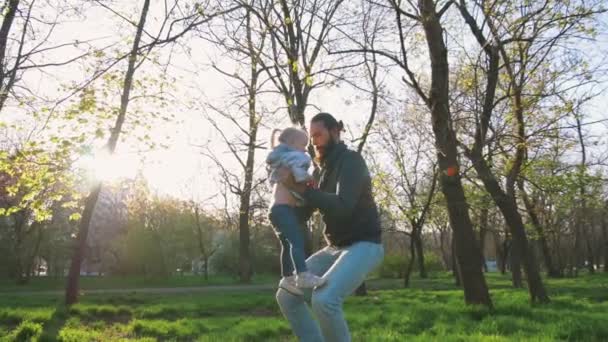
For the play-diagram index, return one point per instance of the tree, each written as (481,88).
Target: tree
(505,200)
(71,295)
(244,44)
(204,234)
(299,32)
(26,40)
(409,186)
(165,36)
(437,100)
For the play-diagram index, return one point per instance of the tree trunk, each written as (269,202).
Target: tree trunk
(455,270)
(605,232)
(160,251)
(18,246)
(71,293)
(506,255)
(583,224)
(32,257)
(500,260)
(483,228)
(444,254)
(467,247)
(245,267)
(420,254)
(576,255)
(516,276)
(605,236)
(410,264)
(552,271)
(512,215)
(7,23)
(372,73)
(521,252)
(206,268)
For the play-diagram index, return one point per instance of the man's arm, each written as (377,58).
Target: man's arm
(351,180)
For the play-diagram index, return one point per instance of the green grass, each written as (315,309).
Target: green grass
(127,282)
(432,309)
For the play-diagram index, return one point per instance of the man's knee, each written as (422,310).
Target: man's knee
(285,299)
(323,302)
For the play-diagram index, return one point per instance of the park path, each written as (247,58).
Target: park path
(154,290)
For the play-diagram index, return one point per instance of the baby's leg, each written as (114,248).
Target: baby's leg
(287,269)
(285,221)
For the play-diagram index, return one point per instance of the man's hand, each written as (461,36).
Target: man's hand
(286,178)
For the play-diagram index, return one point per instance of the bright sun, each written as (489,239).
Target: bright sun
(166,171)
(109,168)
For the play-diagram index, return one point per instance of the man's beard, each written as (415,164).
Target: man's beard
(321,152)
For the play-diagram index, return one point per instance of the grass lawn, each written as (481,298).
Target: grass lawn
(127,282)
(432,309)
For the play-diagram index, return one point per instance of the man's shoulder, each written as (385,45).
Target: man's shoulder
(352,156)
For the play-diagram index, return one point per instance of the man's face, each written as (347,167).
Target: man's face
(320,138)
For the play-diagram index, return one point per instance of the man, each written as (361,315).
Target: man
(352,231)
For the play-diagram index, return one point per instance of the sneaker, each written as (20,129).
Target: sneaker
(289,284)
(309,280)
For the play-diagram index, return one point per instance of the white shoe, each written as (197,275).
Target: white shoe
(309,280)
(289,284)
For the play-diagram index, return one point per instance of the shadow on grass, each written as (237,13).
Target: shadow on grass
(52,327)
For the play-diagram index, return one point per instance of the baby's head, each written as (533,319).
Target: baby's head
(293,137)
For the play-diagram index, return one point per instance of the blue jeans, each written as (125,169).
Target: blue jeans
(287,227)
(345,269)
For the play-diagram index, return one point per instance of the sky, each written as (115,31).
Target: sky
(181,170)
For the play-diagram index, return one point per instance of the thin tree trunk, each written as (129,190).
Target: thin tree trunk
(372,73)
(500,253)
(410,264)
(512,215)
(467,247)
(444,253)
(206,268)
(19,226)
(582,224)
(34,254)
(521,252)
(455,270)
(483,229)
(576,255)
(7,22)
(71,295)
(505,200)
(245,267)
(420,254)
(79,248)
(605,235)
(551,270)
(516,276)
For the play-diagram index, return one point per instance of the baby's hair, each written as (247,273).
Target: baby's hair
(287,135)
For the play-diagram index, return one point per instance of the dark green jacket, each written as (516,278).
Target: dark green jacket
(345,198)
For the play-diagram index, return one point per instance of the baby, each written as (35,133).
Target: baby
(290,154)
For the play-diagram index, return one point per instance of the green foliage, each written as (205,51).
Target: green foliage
(265,255)
(394,266)
(26,331)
